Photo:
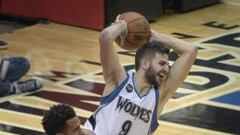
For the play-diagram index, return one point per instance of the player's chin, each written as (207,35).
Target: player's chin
(159,80)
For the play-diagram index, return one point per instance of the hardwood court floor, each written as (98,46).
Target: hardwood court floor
(67,57)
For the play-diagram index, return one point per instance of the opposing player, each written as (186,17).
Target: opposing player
(132,102)
(61,119)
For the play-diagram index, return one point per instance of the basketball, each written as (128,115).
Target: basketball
(138,30)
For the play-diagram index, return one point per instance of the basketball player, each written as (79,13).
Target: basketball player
(62,120)
(132,102)
(11,71)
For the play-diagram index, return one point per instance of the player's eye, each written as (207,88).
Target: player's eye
(162,63)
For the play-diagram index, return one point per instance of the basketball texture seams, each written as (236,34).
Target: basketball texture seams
(138,30)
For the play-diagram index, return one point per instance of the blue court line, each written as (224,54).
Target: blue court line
(230,98)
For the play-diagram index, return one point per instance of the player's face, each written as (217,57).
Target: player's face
(73,127)
(158,69)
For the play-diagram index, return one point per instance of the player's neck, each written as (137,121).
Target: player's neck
(141,84)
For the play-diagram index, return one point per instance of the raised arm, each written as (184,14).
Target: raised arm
(113,72)
(181,67)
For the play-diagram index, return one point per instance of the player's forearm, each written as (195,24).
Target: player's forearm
(180,46)
(109,34)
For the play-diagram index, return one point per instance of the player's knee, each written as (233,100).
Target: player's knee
(17,68)
(20,63)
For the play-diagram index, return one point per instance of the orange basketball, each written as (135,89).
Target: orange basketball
(138,30)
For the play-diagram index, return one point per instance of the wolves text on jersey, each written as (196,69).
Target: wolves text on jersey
(133,109)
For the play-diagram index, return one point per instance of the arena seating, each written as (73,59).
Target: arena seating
(187,5)
(91,13)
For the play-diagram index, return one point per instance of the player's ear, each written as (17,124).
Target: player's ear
(144,63)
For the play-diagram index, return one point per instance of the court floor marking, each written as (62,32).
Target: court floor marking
(192,128)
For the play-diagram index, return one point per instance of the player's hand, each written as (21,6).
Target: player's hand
(117,18)
(123,35)
(153,35)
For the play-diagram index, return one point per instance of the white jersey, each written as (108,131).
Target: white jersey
(125,112)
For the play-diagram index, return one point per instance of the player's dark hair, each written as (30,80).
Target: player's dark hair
(55,119)
(149,50)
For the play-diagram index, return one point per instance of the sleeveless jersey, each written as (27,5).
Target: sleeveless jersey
(125,112)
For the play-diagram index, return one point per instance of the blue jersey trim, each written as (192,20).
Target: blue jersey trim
(109,98)
(154,123)
(92,121)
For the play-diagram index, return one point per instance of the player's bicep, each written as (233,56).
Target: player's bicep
(179,71)
(112,70)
